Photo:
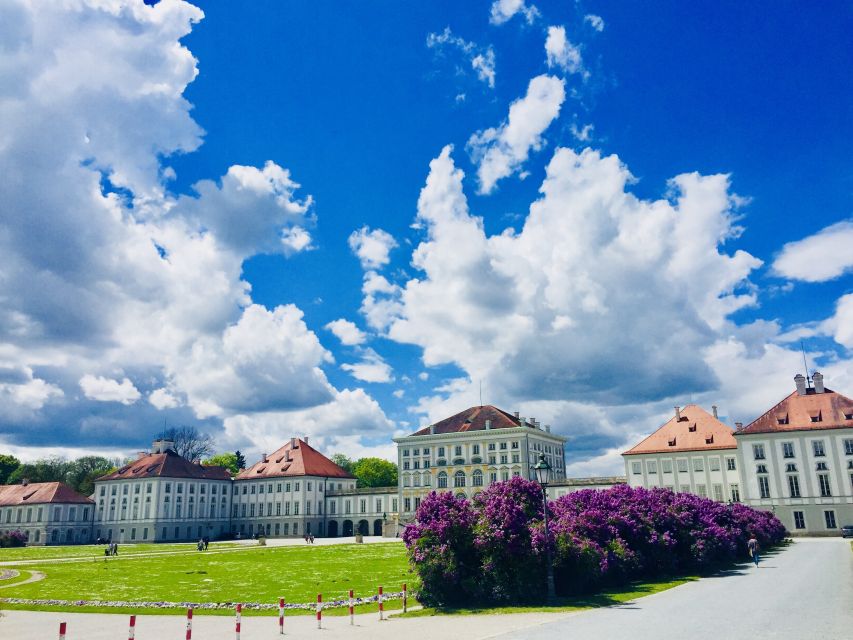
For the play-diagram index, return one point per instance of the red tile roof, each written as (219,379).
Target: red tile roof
(296,458)
(811,412)
(40,493)
(167,465)
(697,430)
(474,419)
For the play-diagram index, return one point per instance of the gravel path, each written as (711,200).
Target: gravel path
(35,576)
(802,592)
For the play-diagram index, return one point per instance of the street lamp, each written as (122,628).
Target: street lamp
(543,470)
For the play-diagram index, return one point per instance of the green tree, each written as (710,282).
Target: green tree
(375,472)
(7,465)
(82,473)
(228,460)
(343,462)
(51,469)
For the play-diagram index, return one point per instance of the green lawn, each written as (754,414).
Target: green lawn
(252,575)
(602,599)
(97,551)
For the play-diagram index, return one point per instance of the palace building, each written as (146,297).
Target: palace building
(46,512)
(796,459)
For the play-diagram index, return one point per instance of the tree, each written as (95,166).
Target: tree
(51,469)
(82,473)
(227,460)
(189,442)
(241,460)
(375,472)
(7,465)
(343,462)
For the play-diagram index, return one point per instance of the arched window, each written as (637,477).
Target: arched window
(427,480)
(459,479)
(442,480)
(477,479)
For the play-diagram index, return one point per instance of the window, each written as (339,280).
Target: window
(698,464)
(763,486)
(821,466)
(416,452)
(682,465)
(407,504)
(459,479)
(799,520)
(492,460)
(516,458)
(477,478)
(817,446)
(758,451)
(296,508)
(735,490)
(715,464)
(730,464)
(718,492)
(761,468)
(405,453)
(476,449)
(685,488)
(700,490)
(787,449)
(636,468)
(823,481)
(442,481)
(493,477)
(503,446)
(406,465)
(394,505)
(491,446)
(308,486)
(829,517)
(666,466)
(440,455)
(426,451)
(378,505)
(791,467)
(652,466)
(794,486)
(296,486)
(457,450)
(848,448)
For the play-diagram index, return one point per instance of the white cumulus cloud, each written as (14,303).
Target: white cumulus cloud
(501,151)
(109,390)
(596,22)
(373,248)
(371,368)
(482,60)
(823,256)
(560,52)
(503,10)
(347,332)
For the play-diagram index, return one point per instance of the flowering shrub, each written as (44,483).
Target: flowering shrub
(13,539)
(493,550)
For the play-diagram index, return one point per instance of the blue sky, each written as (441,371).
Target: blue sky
(595,210)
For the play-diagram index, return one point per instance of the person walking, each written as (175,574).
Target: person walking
(752,545)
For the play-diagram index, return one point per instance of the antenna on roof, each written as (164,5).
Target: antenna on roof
(805,365)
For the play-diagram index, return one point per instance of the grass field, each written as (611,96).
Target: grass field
(255,574)
(97,551)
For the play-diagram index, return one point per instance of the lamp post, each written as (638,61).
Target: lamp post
(542,470)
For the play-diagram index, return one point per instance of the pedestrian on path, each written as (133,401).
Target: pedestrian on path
(752,545)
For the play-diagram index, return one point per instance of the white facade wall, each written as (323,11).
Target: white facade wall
(808,511)
(707,473)
(49,523)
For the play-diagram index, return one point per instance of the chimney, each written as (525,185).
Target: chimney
(678,414)
(547,428)
(817,378)
(287,455)
(522,420)
(25,482)
(515,413)
(800,381)
(714,410)
(293,443)
(738,425)
(141,454)
(264,457)
(162,446)
(305,439)
(432,428)
(488,424)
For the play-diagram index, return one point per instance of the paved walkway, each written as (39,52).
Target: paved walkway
(802,592)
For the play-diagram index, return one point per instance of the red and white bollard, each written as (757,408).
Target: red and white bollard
(189,623)
(238,618)
(281,616)
(319,610)
(381,601)
(351,609)
(61,631)
(405,598)
(131,632)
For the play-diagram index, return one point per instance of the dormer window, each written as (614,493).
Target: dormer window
(848,416)
(815,416)
(692,427)
(709,439)
(672,442)
(782,418)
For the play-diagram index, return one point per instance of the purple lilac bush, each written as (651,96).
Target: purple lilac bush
(15,538)
(493,550)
